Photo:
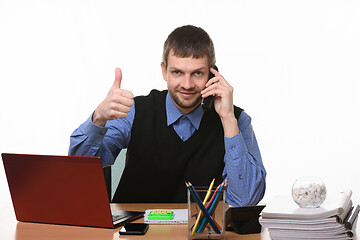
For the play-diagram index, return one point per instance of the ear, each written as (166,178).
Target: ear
(164,71)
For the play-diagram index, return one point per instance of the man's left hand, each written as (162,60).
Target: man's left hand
(223,102)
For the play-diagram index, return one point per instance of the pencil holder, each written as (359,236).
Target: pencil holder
(209,225)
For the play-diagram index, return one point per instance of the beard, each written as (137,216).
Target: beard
(184,103)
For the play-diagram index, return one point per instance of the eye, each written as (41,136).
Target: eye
(199,74)
(175,72)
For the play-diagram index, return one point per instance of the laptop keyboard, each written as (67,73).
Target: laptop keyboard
(121,216)
(117,217)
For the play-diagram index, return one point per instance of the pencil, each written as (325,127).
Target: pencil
(212,211)
(209,204)
(204,201)
(213,205)
(204,220)
(202,207)
(208,193)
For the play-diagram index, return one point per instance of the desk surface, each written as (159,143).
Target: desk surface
(11,229)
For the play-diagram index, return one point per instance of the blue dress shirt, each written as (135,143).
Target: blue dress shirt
(243,164)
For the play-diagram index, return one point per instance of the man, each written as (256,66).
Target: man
(168,136)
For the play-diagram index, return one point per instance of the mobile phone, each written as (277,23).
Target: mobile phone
(134,229)
(209,101)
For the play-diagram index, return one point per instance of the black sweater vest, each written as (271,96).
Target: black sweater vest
(158,161)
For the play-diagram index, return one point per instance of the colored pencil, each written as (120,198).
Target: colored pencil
(209,204)
(208,193)
(202,207)
(213,205)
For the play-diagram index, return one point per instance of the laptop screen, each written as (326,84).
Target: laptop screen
(58,189)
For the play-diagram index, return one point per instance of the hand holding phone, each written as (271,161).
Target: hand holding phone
(218,89)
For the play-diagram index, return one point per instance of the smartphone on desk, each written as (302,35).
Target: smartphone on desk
(134,229)
(208,102)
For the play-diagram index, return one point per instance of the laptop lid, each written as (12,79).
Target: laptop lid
(58,189)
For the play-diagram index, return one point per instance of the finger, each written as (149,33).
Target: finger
(119,109)
(115,115)
(124,101)
(212,90)
(212,81)
(118,77)
(217,80)
(122,92)
(213,71)
(127,94)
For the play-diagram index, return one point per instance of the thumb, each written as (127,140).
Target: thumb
(118,77)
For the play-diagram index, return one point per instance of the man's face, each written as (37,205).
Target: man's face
(186,78)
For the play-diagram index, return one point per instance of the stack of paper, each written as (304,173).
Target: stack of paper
(334,219)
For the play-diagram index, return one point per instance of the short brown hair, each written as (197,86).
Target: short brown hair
(189,41)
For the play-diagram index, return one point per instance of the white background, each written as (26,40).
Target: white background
(294,66)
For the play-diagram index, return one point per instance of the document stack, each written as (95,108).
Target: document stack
(336,218)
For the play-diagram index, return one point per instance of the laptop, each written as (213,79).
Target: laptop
(61,190)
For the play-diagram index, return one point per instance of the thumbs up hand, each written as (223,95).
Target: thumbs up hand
(116,104)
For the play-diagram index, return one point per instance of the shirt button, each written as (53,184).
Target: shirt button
(182,137)
(232,147)
(240,176)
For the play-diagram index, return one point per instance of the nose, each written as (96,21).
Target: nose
(187,82)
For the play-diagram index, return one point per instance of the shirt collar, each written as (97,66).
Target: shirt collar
(173,113)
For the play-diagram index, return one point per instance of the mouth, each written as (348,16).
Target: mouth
(187,94)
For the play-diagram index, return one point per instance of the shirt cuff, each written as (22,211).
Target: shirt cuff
(235,146)
(92,130)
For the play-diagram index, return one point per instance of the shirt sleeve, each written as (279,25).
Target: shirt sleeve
(243,166)
(105,142)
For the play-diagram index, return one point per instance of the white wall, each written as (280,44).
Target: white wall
(294,66)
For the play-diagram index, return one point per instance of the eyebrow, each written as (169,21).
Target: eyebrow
(195,70)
